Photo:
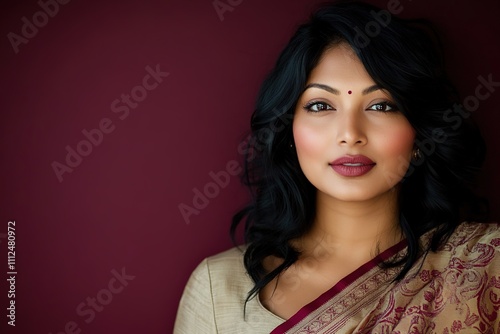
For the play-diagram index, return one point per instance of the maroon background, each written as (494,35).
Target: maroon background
(119,208)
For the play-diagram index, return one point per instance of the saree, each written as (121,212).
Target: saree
(453,290)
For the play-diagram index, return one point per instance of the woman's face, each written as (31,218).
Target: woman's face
(352,142)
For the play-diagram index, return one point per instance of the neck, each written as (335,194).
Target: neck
(364,227)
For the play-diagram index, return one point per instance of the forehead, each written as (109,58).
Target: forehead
(340,64)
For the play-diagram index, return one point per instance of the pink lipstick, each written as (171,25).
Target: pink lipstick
(352,165)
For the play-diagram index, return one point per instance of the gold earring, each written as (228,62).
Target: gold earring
(416,154)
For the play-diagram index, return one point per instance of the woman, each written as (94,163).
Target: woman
(361,215)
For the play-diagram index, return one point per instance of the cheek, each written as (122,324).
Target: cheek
(397,148)
(399,142)
(308,140)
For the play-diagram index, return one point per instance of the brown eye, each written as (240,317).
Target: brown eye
(383,107)
(317,107)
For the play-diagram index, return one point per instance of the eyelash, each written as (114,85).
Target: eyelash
(308,106)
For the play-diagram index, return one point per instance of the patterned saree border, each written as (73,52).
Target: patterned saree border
(344,283)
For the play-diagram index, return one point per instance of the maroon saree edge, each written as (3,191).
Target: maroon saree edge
(338,287)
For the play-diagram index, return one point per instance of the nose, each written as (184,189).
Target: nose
(351,129)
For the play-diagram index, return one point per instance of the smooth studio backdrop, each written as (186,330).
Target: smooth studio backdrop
(117,115)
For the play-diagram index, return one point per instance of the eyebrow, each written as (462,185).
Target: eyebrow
(329,89)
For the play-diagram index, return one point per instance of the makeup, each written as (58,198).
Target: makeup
(352,165)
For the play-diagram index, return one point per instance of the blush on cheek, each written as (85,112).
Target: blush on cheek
(307,140)
(400,142)
(398,146)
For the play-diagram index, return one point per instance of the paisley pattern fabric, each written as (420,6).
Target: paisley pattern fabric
(453,290)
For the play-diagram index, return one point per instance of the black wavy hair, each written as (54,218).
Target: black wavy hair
(401,56)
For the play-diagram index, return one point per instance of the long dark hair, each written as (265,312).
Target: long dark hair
(401,56)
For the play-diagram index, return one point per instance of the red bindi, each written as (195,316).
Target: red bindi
(349,92)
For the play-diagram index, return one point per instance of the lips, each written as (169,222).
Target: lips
(352,165)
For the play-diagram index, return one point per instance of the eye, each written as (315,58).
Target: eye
(384,106)
(316,106)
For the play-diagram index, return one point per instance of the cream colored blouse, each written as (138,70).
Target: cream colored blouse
(214,298)
(455,289)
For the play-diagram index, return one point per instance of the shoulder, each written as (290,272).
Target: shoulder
(223,282)
(470,233)
(228,273)
(474,246)
(463,274)
(223,270)
(208,293)
(223,263)
(219,277)
(230,257)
